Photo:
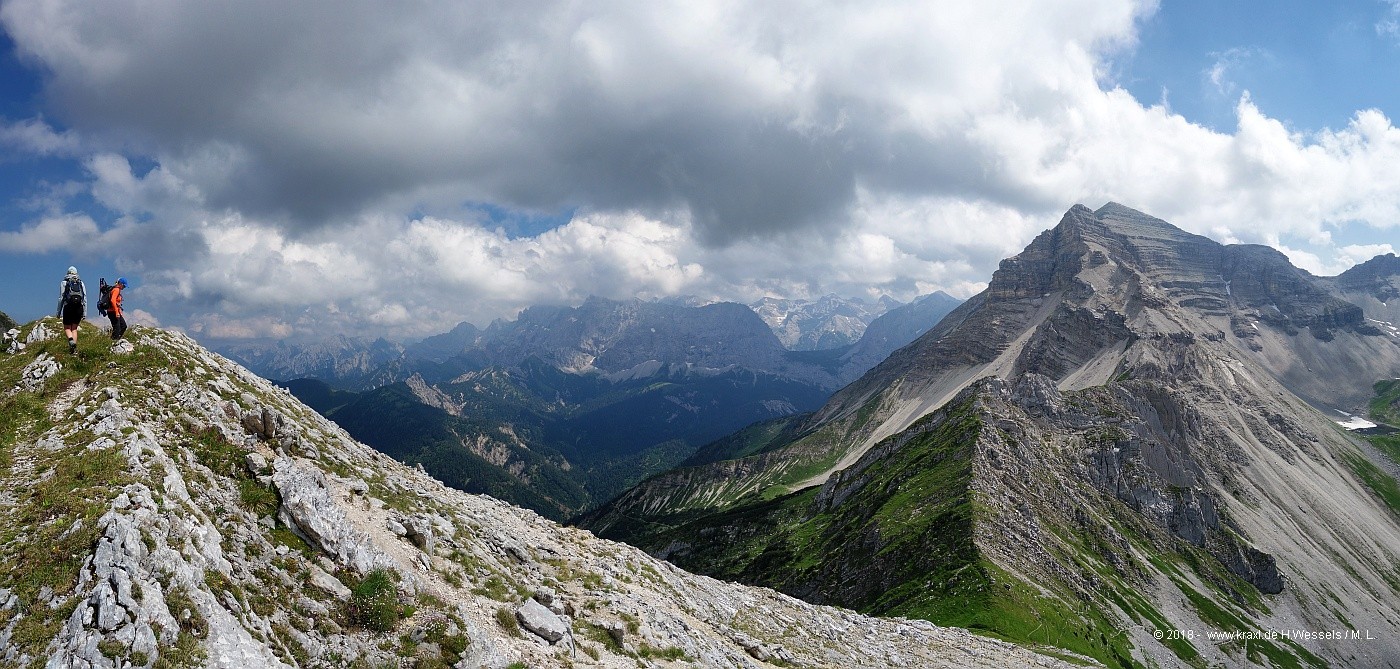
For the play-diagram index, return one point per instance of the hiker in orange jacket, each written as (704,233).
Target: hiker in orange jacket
(115,314)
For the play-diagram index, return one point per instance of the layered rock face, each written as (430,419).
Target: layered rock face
(1375,287)
(1122,431)
(167,508)
(1375,276)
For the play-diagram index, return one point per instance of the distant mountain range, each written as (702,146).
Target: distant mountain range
(1129,440)
(564,407)
(349,362)
(831,323)
(824,323)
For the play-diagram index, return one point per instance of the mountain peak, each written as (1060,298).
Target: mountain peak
(1375,269)
(1136,225)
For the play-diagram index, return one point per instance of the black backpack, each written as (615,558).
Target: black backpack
(73,291)
(104,296)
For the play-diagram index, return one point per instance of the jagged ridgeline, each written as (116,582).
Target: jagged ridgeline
(1119,449)
(164,507)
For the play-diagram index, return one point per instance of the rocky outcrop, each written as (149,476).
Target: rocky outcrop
(34,374)
(308,509)
(41,331)
(432,396)
(10,343)
(542,622)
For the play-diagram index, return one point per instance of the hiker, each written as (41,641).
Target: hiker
(72,306)
(114,312)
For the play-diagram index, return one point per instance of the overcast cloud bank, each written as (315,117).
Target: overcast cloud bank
(313,166)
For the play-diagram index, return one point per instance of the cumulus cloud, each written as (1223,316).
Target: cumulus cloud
(752,118)
(51,233)
(306,167)
(141,317)
(1353,254)
(35,136)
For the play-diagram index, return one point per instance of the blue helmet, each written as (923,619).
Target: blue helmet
(122,282)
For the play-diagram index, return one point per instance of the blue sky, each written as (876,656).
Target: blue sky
(265,170)
(1310,64)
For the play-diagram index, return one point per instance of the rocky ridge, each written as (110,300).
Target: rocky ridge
(169,508)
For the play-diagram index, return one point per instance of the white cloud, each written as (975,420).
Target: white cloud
(753,118)
(141,317)
(76,232)
(37,137)
(1354,254)
(219,326)
(1306,260)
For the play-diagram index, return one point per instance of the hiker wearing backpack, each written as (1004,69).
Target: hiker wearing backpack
(114,309)
(72,306)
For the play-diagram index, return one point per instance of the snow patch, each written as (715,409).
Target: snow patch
(1354,422)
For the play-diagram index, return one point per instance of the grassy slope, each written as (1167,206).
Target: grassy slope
(1385,406)
(901,543)
(751,440)
(1385,409)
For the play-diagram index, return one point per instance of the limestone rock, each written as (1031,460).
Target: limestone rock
(308,507)
(10,343)
(319,578)
(256,463)
(33,376)
(40,332)
(419,530)
(535,617)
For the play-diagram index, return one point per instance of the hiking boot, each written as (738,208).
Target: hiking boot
(72,346)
